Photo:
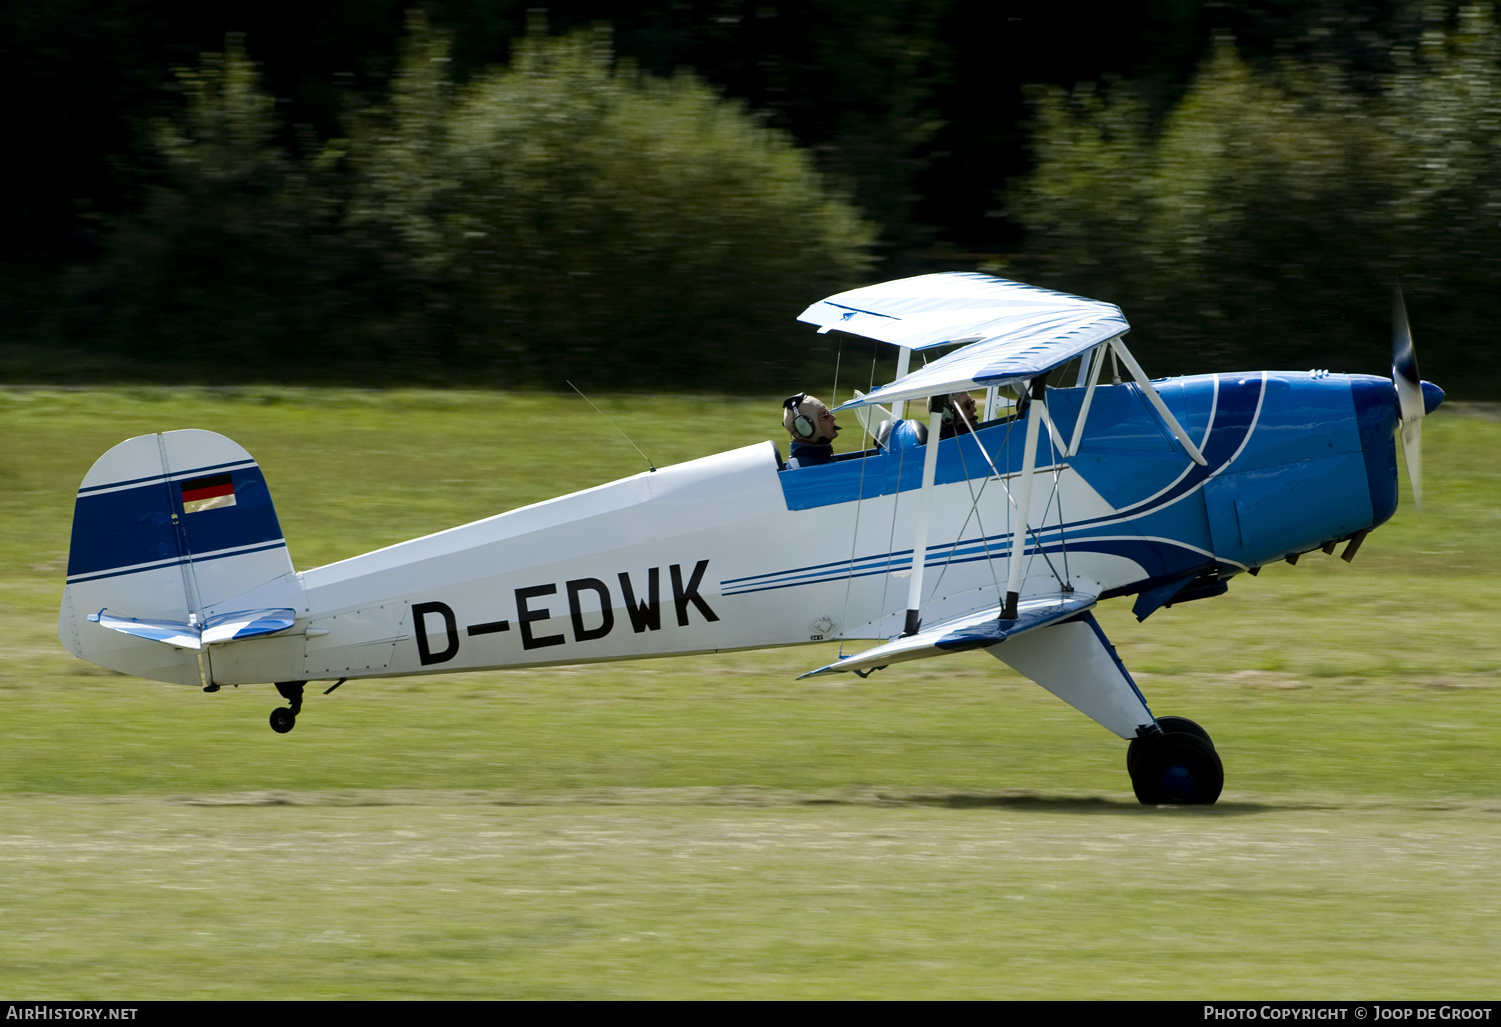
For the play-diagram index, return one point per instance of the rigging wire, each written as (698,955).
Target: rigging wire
(974,509)
(1059,464)
(974,513)
(849,578)
(1027,528)
(976,497)
(1054,501)
(838,356)
(896,500)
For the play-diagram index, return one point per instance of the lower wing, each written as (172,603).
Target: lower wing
(977,630)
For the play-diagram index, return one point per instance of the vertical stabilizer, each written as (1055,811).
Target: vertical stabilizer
(166,527)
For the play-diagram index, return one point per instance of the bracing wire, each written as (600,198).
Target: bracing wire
(1034,533)
(1031,531)
(896,500)
(1059,461)
(974,509)
(838,356)
(974,513)
(1054,499)
(865,435)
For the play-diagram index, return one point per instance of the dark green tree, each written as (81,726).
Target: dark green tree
(567,216)
(1264,219)
(232,267)
(561,218)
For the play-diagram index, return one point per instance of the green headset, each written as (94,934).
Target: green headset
(804,428)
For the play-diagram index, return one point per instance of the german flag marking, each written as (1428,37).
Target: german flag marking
(211,493)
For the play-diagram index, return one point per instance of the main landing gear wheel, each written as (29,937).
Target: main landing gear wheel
(1177,765)
(1167,724)
(284,718)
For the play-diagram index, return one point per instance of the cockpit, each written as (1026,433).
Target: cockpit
(883,431)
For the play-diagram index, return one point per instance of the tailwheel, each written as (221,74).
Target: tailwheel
(1177,765)
(284,718)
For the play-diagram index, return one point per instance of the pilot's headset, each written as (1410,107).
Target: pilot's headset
(943,405)
(802,427)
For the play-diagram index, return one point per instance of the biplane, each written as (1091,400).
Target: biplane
(999,534)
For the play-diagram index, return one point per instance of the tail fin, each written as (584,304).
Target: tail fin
(166,528)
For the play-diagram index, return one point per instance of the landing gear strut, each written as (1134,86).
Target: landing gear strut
(1176,763)
(284,718)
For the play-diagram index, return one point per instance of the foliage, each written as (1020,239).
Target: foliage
(1351,142)
(232,260)
(560,218)
(580,219)
(1263,220)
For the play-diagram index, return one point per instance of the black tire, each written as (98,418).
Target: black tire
(1177,768)
(1183,724)
(283,720)
(1168,725)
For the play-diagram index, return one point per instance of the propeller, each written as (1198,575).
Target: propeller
(1410,402)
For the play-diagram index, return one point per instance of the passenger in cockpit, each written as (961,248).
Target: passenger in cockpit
(958,418)
(958,413)
(813,431)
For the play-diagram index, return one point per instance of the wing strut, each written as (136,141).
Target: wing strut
(1096,365)
(903,362)
(920,544)
(1151,393)
(1052,428)
(1024,498)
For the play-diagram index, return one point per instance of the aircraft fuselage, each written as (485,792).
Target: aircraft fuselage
(729,552)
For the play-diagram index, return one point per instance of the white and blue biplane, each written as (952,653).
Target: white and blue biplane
(1057,499)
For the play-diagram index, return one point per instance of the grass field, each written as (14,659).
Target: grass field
(710,827)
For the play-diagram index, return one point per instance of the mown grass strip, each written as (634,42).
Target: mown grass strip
(709,826)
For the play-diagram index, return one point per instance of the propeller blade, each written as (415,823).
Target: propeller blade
(1405,362)
(1412,452)
(1409,386)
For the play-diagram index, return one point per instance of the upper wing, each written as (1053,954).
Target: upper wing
(971,631)
(1015,332)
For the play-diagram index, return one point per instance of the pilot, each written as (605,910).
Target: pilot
(813,431)
(958,410)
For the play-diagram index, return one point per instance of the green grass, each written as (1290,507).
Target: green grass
(710,827)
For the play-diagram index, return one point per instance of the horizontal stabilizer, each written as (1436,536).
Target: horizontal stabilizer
(236,627)
(224,627)
(184,636)
(977,630)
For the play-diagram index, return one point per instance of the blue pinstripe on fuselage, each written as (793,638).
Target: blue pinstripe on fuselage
(1285,471)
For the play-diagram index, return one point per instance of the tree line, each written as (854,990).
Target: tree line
(646,199)
(1265,219)
(562,216)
